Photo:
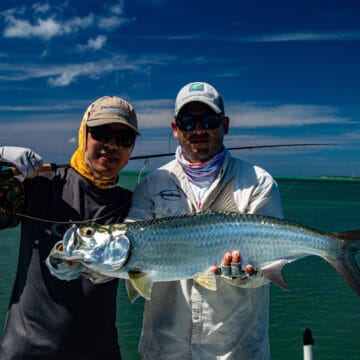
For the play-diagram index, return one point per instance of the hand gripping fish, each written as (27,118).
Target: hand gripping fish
(186,246)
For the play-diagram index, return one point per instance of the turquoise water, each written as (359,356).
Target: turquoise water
(319,297)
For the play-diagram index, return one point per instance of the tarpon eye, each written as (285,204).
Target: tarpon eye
(88,231)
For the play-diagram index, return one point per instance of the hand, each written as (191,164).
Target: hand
(231,269)
(25,160)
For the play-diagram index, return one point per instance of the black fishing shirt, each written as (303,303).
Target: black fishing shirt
(49,318)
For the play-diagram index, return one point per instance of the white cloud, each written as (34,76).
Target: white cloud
(97,43)
(44,29)
(253,115)
(46,108)
(94,44)
(354,136)
(94,70)
(64,74)
(17,26)
(77,23)
(159,113)
(118,8)
(41,8)
(280,37)
(112,22)
(113,17)
(306,36)
(23,29)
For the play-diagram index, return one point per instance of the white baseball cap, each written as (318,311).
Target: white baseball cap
(202,92)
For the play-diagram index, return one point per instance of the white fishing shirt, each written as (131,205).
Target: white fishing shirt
(183,320)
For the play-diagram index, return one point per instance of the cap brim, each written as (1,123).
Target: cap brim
(199,99)
(99,122)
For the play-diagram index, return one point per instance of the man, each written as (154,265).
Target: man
(49,318)
(184,320)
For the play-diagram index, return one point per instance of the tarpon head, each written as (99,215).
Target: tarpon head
(104,248)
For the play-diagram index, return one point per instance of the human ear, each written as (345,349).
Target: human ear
(174,129)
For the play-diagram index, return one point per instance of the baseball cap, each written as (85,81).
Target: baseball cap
(202,92)
(110,110)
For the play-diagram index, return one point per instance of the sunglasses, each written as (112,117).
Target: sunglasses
(188,122)
(106,133)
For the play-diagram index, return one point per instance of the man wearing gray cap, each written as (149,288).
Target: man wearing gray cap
(184,320)
(49,318)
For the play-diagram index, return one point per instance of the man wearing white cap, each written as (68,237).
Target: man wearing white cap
(50,319)
(184,320)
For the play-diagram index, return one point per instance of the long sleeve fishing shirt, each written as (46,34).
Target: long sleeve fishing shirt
(183,320)
(49,318)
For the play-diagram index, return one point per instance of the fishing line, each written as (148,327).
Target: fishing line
(12,196)
(70,221)
(146,158)
(145,165)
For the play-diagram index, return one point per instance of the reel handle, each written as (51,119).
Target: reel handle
(13,171)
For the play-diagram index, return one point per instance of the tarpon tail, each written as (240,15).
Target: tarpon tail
(345,262)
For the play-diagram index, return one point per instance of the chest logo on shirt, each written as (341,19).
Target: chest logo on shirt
(170,195)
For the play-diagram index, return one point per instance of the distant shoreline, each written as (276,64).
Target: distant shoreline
(320,178)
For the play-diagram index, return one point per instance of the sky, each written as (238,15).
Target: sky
(288,72)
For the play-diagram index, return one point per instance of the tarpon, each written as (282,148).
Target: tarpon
(186,246)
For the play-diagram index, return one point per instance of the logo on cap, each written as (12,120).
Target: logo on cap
(115,110)
(196,87)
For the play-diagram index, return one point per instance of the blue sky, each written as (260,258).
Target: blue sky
(288,72)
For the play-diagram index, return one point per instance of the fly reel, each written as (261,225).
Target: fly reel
(12,194)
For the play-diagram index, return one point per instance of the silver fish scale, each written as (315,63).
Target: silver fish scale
(183,246)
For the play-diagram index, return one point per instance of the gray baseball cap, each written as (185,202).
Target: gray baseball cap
(110,110)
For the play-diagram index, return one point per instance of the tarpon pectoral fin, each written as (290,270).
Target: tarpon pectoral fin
(206,279)
(273,272)
(131,291)
(142,282)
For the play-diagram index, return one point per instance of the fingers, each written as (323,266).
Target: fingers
(235,256)
(227,259)
(215,269)
(231,267)
(250,269)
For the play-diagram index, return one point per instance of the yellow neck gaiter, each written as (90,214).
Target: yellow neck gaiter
(80,163)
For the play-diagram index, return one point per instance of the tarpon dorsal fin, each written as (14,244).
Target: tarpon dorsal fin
(273,272)
(206,279)
(225,200)
(142,282)
(131,291)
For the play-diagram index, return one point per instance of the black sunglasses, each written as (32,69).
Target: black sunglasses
(188,122)
(105,133)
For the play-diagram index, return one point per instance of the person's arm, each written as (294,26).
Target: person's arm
(27,162)
(265,198)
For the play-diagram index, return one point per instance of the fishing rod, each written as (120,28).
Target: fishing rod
(144,157)
(12,194)
(12,171)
